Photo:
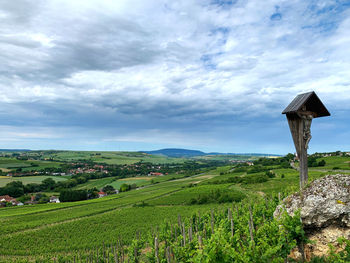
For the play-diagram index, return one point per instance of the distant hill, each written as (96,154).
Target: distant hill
(175,152)
(14,150)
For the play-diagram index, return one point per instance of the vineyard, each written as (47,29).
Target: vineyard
(244,232)
(222,215)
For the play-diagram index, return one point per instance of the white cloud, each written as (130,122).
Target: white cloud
(174,60)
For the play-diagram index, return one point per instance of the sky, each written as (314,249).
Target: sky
(212,75)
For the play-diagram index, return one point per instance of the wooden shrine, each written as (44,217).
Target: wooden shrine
(300,113)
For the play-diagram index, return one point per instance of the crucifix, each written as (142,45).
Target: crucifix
(300,113)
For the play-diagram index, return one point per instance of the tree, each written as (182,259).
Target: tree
(108,189)
(73,195)
(124,188)
(322,163)
(14,189)
(92,193)
(32,188)
(48,184)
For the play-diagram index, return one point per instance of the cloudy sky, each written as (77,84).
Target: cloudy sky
(212,75)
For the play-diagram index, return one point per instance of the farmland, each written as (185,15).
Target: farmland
(101,157)
(76,227)
(29,179)
(8,164)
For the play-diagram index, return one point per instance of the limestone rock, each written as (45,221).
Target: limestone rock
(325,202)
(320,241)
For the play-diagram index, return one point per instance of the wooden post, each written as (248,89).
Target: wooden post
(297,128)
(300,113)
(232,230)
(212,221)
(156,249)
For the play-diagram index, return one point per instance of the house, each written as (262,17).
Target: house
(8,199)
(5,198)
(54,199)
(32,201)
(101,194)
(155,174)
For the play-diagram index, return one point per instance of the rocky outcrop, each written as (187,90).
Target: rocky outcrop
(324,202)
(325,213)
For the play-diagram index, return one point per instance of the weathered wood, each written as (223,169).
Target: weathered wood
(184,234)
(251,231)
(300,113)
(200,241)
(156,249)
(297,127)
(251,216)
(212,221)
(232,229)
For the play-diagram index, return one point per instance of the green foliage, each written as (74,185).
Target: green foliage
(73,195)
(124,188)
(248,179)
(108,189)
(270,174)
(217,196)
(272,240)
(312,162)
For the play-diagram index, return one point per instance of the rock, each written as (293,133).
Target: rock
(325,202)
(321,239)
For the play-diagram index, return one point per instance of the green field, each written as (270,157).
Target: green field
(109,157)
(335,161)
(59,229)
(100,183)
(25,165)
(28,179)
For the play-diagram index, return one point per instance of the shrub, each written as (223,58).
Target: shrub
(72,195)
(270,174)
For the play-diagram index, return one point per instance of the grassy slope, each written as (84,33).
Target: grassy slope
(335,161)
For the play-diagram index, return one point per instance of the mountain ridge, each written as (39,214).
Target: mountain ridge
(179,152)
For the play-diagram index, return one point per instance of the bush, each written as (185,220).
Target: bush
(72,195)
(124,188)
(270,174)
(108,189)
(322,163)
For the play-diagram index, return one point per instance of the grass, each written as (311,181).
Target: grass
(98,183)
(28,179)
(335,161)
